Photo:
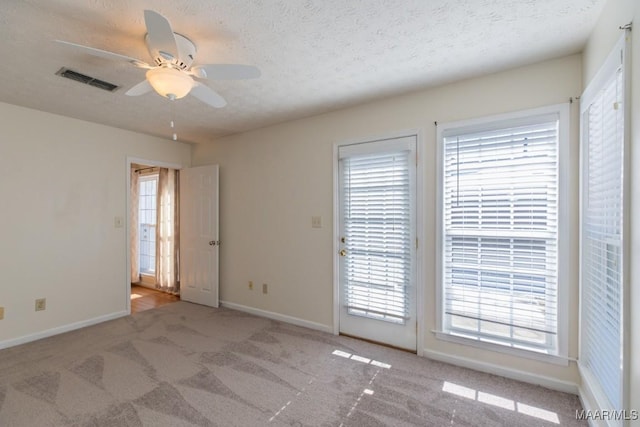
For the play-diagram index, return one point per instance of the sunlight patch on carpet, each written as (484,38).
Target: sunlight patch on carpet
(360,359)
(500,402)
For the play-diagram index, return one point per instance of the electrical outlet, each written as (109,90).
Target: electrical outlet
(264,288)
(41,304)
(250,285)
(1,313)
(316,222)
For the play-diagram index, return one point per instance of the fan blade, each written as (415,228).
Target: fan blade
(225,71)
(207,95)
(140,89)
(106,54)
(160,35)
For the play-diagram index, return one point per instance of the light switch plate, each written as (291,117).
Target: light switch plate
(118,222)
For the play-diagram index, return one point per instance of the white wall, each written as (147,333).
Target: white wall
(62,183)
(616,14)
(274,179)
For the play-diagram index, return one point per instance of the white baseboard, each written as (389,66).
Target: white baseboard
(277,316)
(514,374)
(60,329)
(587,403)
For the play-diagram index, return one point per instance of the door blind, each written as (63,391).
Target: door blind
(602,241)
(378,234)
(500,223)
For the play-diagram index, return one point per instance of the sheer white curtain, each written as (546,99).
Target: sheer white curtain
(133,221)
(167,231)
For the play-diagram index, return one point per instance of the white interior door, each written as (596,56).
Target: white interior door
(199,235)
(377,241)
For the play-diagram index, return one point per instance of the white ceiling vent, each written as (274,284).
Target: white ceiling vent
(82,78)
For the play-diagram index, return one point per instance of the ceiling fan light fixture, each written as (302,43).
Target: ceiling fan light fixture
(169,82)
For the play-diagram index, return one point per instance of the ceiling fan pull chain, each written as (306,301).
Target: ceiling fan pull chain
(171,122)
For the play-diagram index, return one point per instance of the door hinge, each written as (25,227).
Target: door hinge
(416,243)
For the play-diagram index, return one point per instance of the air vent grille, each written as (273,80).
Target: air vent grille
(82,78)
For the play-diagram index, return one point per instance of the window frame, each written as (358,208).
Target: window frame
(565,172)
(618,59)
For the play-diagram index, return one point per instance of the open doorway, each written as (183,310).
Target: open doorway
(154,236)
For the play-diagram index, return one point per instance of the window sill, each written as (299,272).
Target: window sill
(528,354)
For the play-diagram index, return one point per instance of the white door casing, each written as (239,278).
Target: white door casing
(377,230)
(199,235)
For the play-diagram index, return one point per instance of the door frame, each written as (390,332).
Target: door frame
(147,162)
(420,285)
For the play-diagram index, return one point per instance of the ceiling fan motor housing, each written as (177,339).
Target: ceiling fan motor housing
(186,50)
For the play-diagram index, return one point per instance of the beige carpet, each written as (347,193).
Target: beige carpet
(188,365)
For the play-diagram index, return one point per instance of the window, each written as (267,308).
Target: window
(500,223)
(147,223)
(602,232)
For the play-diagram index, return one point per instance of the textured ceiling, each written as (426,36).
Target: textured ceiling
(315,55)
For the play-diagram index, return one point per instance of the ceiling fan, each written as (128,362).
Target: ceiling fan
(173,74)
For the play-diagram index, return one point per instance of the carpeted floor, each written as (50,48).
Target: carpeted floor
(189,365)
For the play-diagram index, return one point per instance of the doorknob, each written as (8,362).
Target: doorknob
(214,243)
(343,252)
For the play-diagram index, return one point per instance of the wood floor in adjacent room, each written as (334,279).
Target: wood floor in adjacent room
(143,298)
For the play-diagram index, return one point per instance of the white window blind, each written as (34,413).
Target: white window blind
(500,227)
(602,237)
(378,233)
